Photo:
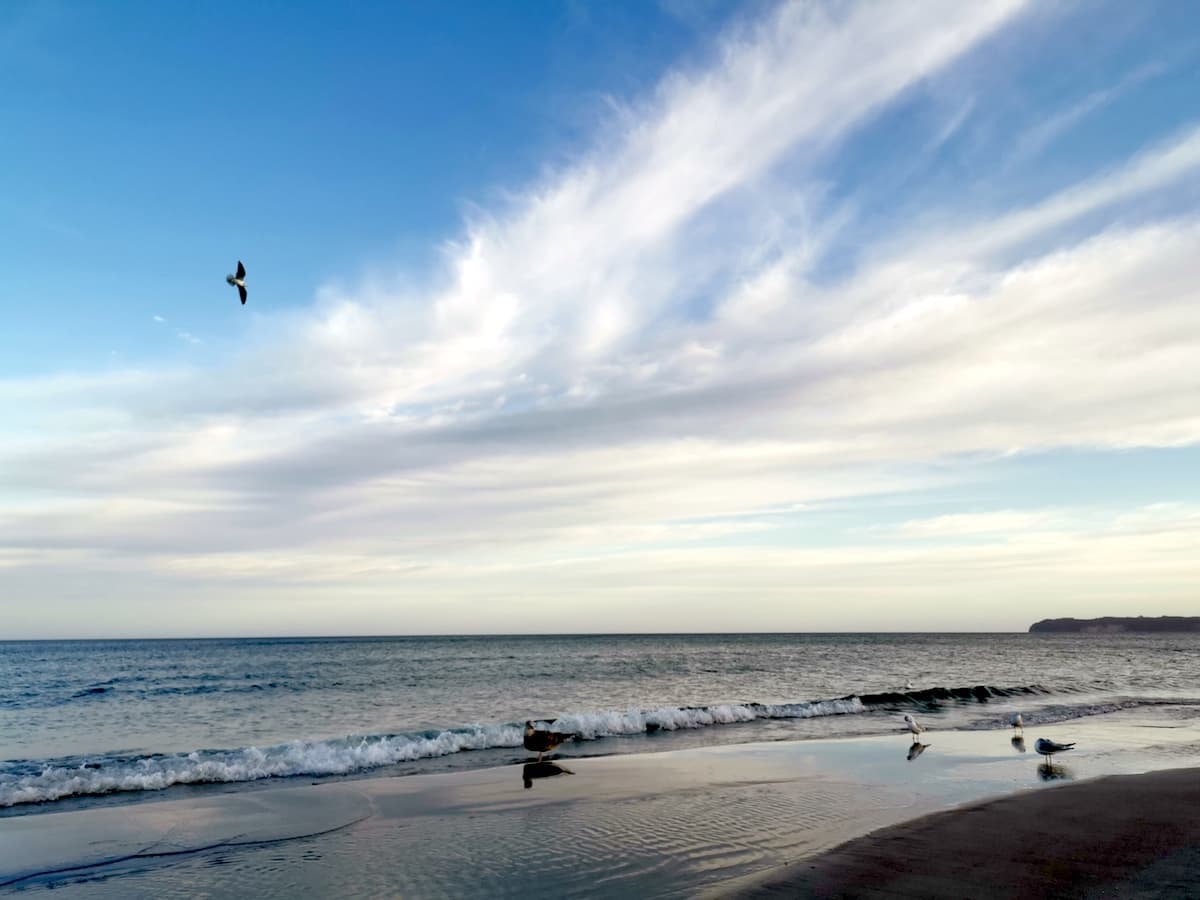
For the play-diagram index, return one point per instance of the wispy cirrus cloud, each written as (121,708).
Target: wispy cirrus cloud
(1045,133)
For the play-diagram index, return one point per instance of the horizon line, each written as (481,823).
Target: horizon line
(547,634)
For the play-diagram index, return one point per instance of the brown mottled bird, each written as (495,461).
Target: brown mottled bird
(543,741)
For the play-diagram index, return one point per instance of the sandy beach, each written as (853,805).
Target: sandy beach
(1122,836)
(711,821)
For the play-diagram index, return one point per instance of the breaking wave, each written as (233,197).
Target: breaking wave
(932,697)
(25,782)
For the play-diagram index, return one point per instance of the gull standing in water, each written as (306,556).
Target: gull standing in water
(543,741)
(239,281)
(914,726)
(1018,722)
(1048,748)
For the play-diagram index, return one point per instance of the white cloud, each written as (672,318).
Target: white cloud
(992,523)
(1155,169)
(997,584)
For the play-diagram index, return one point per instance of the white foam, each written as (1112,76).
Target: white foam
(670,718)
(338,757)
(348,755)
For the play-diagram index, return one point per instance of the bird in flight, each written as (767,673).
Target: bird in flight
(239,281)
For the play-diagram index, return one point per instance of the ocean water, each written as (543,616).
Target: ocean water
(91,722)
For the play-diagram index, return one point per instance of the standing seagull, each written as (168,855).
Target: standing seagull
(914,726)
(1048,748)
(1018,722)
(239,281)
(543,741)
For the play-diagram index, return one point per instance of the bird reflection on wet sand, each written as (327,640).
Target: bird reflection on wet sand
(1019,744)
(916,750)
(1051,772)
(542,770)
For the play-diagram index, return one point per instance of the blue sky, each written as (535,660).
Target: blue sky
(597,317)
(149,143)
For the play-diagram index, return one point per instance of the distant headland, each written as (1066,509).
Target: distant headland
(1118,625)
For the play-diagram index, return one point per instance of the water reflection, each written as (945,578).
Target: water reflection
(1019,744)
(916,750)
(1051,772)
(542,770)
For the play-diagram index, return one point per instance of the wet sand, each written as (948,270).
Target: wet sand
(1121,836)
(675,824)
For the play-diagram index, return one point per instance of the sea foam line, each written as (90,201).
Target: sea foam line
(54,780)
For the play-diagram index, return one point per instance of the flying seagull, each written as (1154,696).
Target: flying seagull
(1048,748)
(914,726)
(1018,722)
(239,281)
(543,741)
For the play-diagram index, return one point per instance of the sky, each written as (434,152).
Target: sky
(597,317)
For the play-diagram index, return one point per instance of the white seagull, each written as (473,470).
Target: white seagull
(239,281)
(1018,722)
(1048,748)
(914,726)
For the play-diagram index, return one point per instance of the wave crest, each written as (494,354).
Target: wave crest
(22,783)
(344,756)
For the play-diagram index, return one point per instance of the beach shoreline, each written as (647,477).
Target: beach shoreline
(706,821)
(1121,835)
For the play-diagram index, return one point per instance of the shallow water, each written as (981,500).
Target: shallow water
(660,825)
(109,721)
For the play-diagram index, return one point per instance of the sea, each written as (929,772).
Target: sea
(85,723)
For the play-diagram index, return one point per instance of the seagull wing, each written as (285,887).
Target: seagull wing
(241,270)
(1045,745)
(242,292)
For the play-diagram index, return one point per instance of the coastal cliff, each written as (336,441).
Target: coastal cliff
(1118,625)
